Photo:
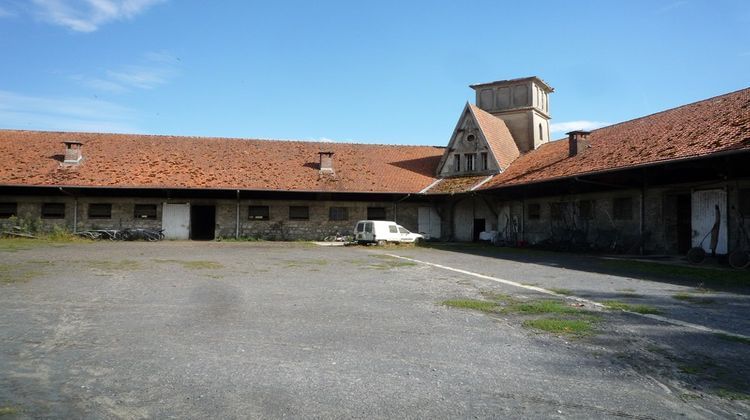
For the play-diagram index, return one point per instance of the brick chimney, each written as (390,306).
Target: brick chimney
(326,163)
(578,141)
(73,153)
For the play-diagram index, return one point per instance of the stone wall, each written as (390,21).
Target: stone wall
(279,226)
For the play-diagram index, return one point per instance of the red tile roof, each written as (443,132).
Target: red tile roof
(456,184)
(498,136)
(710,126)
(34,158)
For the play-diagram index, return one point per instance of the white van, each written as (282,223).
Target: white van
(382,231)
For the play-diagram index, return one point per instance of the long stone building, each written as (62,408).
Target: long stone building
(660,183)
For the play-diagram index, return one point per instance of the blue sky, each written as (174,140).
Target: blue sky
(375,72)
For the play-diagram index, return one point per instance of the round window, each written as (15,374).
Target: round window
(470,137)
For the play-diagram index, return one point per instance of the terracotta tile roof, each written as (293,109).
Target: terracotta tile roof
(142,161)
(456,185)
(713,125)
(498,136)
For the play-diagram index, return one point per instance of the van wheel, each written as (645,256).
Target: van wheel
(381,243)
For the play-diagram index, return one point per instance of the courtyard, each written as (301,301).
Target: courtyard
(274,329)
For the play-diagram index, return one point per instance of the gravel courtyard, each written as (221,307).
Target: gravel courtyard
(243,330)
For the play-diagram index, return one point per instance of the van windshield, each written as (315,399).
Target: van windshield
(403,230)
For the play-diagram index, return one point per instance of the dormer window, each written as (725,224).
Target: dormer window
(456,163)
(483,161)
(471,161)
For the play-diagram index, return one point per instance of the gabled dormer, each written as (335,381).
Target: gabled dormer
(481,144)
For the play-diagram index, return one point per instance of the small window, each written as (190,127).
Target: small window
(403,230)
(145,211)
(8,210)
(338,213)
(534,211)
(100,211)
(470,137)
(541,133)
(470,161)
(484,162)
(622,208)
(456,163)
(53,211)
(299,213)
(586,209)
(745,202)
(376,213)
(392,229)
(258,213)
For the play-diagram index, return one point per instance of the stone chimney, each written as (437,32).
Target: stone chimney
(73,153)
(326,163)
(578,141)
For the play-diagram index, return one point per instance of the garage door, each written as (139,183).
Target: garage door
(429,222)
(708,208)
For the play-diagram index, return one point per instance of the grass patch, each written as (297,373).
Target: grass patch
(17,273)
(640,309)
(733,338)
(561,291)
(473,304)
(574,327)
(193,264)
(729,394)
(496,296)
(687,297)
(106,265)
(8,411)
(541,307)
(707,275)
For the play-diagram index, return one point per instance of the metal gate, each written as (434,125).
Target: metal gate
(175,221)
(429,222)
(708,208)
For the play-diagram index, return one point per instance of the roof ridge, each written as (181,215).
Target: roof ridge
(219,138)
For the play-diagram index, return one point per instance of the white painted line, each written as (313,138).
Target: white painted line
(575,298)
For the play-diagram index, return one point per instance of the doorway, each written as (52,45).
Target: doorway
(202,223)
(683,223)
(479,225)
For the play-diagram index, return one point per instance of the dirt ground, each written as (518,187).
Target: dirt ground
(237,330)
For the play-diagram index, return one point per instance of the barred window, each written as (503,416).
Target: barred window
(144,211)
(8,210)
(100,211)
(53,211)
(338,213)
(534,211)
(299,213)
(376,213)
(258,213)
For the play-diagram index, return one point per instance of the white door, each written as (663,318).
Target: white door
(428,222)
(175,221)
(709,206)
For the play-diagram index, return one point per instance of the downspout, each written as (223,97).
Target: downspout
(523,219)
(641,225)
(237,221)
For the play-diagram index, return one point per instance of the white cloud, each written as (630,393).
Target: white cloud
(157,69)
(89,15)
(325,140)
(567,126)
(64,113)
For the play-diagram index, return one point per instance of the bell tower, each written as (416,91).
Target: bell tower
(524,106)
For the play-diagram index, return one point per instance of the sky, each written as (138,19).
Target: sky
(394,72)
